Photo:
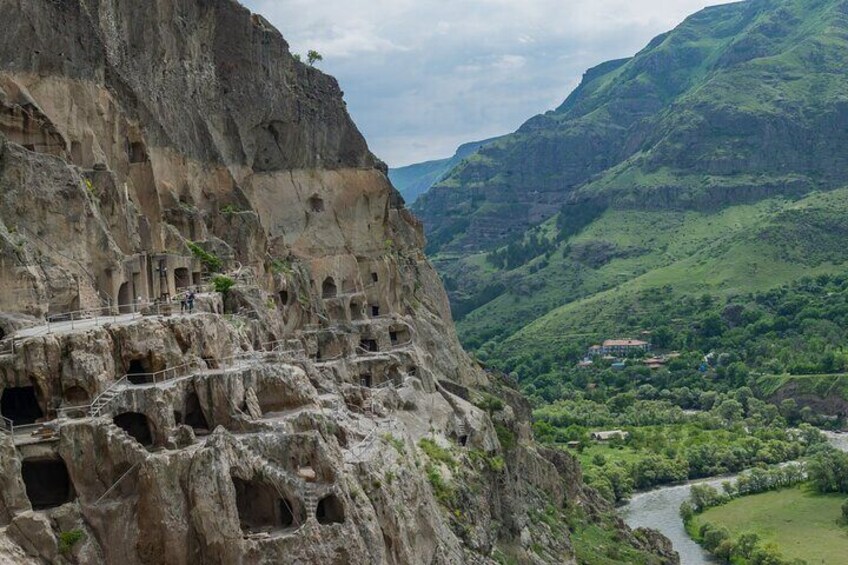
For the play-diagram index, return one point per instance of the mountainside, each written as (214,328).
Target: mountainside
(307,401)
(414,180)
(712,162)
(732,106)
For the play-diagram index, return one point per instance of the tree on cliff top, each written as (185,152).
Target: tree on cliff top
(314,57)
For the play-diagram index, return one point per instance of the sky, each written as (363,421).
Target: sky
(422,77)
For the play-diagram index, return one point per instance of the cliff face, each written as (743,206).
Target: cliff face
(319,411)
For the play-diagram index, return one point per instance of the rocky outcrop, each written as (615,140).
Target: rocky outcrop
(321,409)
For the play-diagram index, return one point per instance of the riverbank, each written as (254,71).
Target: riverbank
(802,523)
(660,509)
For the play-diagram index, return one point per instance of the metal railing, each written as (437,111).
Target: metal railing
(114,486)
(7,426)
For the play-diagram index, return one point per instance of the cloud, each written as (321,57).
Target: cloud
(422,76)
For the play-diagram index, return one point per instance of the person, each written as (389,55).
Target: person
(191,302)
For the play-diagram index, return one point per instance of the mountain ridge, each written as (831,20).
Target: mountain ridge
(416,179)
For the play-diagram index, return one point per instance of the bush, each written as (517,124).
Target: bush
(67,540)
(223,284)
(505,436)
(436,452)
(212,262)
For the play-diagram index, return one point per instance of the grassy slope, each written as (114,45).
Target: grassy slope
(741,249)
(802,524)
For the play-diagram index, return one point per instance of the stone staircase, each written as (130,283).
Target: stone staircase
(310,502)
(102,402)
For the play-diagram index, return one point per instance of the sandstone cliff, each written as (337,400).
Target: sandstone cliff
(321,410)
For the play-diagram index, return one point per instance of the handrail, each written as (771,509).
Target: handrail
(111,488)
(7,425)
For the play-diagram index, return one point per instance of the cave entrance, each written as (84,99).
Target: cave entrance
(125,299)
(260,507)
(138,372)
(194,416)
(137,426)
(330,510)
(20,405)
(369,345)
(316,204)
(366,380)
(47,482)
(375,311)
(284,297)
(182,278)
(328,288)
(137,152)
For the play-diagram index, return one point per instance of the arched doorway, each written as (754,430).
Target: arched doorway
(330,510)
(182,278)
(328,289)
(125,299)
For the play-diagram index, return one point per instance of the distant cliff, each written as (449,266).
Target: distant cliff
(414,180)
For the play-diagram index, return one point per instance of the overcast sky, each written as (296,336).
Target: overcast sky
(422,76)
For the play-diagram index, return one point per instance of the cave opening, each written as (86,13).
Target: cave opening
(137,426)
(47,482)
(284,297)
(125,299)
(20,405)
(330,510)
(194,416)
(328,288)
(182,278)
(316,204)
(260,507)
(366,380)
(369,345)
(355,310)
(137,152)
(375,311)
(138,372)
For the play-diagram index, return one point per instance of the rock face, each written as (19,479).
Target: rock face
(321,410)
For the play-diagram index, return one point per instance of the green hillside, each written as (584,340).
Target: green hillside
(414,180)
(594,285)
(741,102)
(711,165)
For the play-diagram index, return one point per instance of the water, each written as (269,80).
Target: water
(659,509)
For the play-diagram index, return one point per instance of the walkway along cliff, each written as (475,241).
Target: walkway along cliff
(321,410)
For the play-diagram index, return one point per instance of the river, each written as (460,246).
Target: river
(659,509)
